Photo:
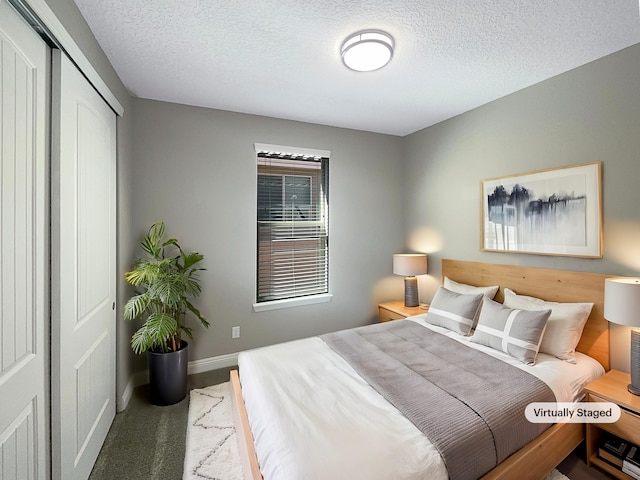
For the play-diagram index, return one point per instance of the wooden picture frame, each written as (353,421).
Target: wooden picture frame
(548,212)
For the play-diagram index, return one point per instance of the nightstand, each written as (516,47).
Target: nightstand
(396,310)
(612,387)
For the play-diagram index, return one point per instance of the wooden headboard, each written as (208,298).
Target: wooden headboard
(547,284)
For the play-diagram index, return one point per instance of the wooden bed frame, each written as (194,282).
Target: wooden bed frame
(541,455)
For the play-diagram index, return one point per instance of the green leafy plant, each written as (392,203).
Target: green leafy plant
(165,279)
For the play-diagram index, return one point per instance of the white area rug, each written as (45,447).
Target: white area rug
(212,445)
(556,475)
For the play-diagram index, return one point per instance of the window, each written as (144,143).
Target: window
(292,216)
(283,197)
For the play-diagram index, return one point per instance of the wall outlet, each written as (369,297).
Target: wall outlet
(235,332)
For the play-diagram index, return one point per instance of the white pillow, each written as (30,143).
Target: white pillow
(564,327)
(488,292)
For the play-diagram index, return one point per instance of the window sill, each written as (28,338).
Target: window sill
(292,302)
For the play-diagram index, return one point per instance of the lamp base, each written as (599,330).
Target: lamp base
(411,292)
(634,386)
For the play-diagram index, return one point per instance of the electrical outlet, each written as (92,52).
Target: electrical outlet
(235,332)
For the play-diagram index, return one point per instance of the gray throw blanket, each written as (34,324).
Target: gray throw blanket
(469,404)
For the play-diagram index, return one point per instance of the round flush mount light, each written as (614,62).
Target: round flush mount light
(367,50)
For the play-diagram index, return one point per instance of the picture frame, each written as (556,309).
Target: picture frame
(547,212)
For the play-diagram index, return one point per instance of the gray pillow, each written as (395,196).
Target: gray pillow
(455,311)
(564,327)
(516,332)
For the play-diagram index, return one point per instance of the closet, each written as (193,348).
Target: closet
(57,259)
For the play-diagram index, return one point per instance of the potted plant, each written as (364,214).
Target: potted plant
(165,279)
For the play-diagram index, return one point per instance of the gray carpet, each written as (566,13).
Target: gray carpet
(575,467)
(147,442)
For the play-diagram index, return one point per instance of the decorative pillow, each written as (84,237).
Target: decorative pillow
(455,311)
(488,292)
(564,327)
(516,332)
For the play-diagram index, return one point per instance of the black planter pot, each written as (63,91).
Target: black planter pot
(168,376)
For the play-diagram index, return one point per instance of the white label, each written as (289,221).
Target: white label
(567,412)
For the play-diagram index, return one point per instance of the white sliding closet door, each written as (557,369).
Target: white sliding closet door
(83,281)
(23,261)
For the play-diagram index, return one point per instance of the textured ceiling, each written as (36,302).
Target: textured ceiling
(280,58)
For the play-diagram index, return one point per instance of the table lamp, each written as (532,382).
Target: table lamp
(409,265)
(622,306)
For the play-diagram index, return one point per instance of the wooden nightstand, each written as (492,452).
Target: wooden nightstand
(612,387)
(396,310)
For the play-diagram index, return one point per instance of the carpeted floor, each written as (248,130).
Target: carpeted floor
(147,442)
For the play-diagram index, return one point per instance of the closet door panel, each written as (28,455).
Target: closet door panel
(24,75)
(83,271)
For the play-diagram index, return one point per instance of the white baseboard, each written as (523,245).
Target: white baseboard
(195,366)
(212,363)
(135,380)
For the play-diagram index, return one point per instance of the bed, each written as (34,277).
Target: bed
(361,410)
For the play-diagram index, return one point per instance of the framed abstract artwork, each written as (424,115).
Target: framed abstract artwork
(548,212)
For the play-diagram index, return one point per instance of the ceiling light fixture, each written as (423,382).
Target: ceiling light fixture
(367,50)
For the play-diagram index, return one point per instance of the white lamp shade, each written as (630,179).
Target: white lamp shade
(622,301)
(409,264)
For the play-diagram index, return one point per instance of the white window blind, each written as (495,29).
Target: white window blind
(292,216)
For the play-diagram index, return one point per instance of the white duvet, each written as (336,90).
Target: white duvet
(313,417)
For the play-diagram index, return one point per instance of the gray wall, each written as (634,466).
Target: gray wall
(589,114)
(406,203)
(195,169)
(69,15)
